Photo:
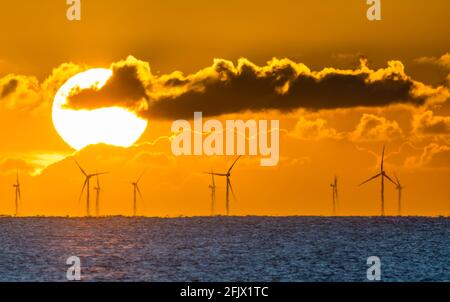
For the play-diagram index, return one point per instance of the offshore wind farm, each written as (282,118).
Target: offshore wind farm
(137,194)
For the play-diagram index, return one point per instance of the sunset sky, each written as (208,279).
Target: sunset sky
(340,85)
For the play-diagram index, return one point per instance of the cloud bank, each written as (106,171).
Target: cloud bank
(225,88)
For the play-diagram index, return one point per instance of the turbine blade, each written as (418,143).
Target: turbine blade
(382,158)
(231,189)
(229,170)
(398,181)
(139,192)
(370,179)
(217,174)
(82,171)
(139,179)
(390,179)
(98,174)
(82,190)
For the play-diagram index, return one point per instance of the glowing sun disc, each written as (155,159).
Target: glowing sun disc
(79,128)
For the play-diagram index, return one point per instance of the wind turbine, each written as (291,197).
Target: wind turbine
(383,175)
(87,186)
(136,191)
(229,186)
(334,188)
(212,186)
(97,189)
(399,189)
(17,190)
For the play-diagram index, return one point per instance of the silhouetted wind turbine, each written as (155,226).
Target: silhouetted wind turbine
(87,186)
(98,189)
(334,187)
(136,191)
(212,186)
(383,175)
(17,190)
(399,189)
(229,186)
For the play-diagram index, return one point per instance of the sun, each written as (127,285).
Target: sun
(115,126)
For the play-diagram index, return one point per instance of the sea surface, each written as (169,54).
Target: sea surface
(225,248)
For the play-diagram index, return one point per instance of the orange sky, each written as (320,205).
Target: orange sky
(330,131)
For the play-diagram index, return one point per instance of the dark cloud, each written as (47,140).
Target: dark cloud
(9,88)
(124,88)
(225,88)
(20,92)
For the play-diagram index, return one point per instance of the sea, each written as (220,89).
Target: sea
(225,249)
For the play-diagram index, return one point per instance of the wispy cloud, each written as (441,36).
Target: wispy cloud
(443,61)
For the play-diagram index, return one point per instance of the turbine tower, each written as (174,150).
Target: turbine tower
(334,188)
(17,190)
(136,191)
(97,189)
(212,186)
(87,186)
(399,188)
(383,175)
(229,186)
